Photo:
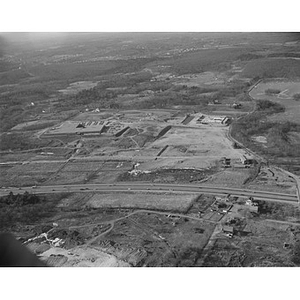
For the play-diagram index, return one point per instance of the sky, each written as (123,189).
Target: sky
(148,15)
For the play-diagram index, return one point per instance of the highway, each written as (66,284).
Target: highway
(149,187)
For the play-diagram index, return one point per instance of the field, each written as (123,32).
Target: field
(75,87)
(36,168)
(143,201)
(233,177)
(28,174)
(285,98)
(214,79)
(35,125)
(273,179)
(82,166)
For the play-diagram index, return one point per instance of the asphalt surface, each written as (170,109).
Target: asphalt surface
(148,187)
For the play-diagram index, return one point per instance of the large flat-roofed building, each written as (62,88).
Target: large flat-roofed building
(88,128)
(213,120)
(75,127)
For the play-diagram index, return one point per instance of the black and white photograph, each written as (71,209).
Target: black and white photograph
(137,147)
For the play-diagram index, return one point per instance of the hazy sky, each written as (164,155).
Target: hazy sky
(154,15)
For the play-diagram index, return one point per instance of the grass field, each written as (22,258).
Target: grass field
(82,166)
(69,178)
(32,168)
(75,87)
(285,98)
(142,200)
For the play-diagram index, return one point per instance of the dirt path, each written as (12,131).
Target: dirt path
(112,222)
(283,222)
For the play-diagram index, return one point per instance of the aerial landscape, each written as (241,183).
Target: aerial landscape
(152,149)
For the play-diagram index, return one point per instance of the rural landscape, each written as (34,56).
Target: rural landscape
(151,149)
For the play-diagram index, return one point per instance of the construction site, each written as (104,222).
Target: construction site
(157,226)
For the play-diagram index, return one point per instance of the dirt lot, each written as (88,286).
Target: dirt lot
(285,97)
(167,176)
(80,257)
(203,146)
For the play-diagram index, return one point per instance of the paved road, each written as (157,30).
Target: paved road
(148,187)
(259,157)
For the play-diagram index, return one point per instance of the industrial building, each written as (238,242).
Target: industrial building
(213,120)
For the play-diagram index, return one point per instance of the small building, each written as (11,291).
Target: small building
(227,229)
(226,162)
(80,125)
(248,161)
(214,120)
(249,202)
(236,105)
(236,146)
(253,209)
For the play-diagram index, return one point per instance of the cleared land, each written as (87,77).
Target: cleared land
(147,201)
(192,148)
